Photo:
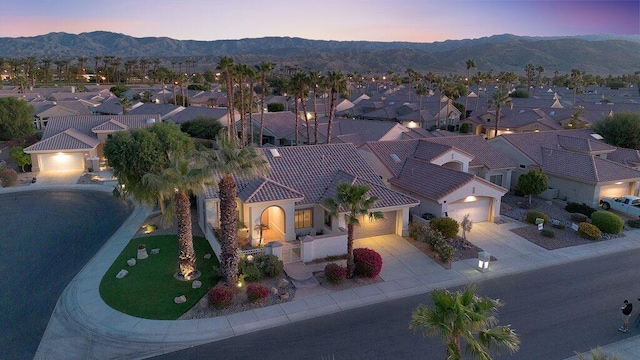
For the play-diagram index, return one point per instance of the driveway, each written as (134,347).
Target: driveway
(46,237)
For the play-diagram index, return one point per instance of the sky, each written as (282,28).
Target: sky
(371,20)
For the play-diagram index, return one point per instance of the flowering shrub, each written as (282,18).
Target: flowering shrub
(335,273)
(444,250)
(221,296)
(368,262)
(589,231)
(257,292)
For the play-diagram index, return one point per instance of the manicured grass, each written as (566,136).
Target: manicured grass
(149,288)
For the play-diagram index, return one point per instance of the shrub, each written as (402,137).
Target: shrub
(368,262)
(448,227)
(249,271)
(520,93)
(548,233)
(607,222)
(560,226)
(583,208)
(417,230)
(579,217)
(589,231)
(533,215)
(433,237)
(335,273)
(221,296)
(444,250)
(270,265)
(465,128)
(8,177)
(257,292)
(635,223)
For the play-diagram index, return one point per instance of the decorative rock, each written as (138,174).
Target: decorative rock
(283,283)
(207,256)
(180,299)
(155,251)
(131,262)
(197,284)
(274,290)
(122,274)
(284,296)
(142,253)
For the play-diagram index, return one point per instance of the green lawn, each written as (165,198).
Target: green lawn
(149,288)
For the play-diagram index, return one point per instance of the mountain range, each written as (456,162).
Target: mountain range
(595,54)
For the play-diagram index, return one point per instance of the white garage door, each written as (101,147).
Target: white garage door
(61,161)
(478,210)
(376,227)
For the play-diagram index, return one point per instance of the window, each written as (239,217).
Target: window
(327,218)
(496,179)
(303,218)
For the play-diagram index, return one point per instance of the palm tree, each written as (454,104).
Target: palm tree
(240,71)
(95,68)
(421,91)
(529,71)
(576,79)
(125,103)
(300,84)
(354,202)
(471,64)
(185,176)
(226,66)
(540,70)
(315,81)
(46,66)
(464,315)
(338,84)
(242,162)
(499,99)
(264,68)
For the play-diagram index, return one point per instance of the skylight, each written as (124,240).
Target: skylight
(275,153)
(395,158)
(597,136)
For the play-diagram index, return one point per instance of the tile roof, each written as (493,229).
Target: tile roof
(629,157)
(108,126)
(85,124)
(483,153)
(193,112)
(583,144)
(261,190)
(584,167)
(70,139)
(531,142)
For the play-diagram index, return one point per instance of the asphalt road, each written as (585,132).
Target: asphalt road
(46,237)
(555,311)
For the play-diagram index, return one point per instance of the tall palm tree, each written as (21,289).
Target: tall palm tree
(464,315)
(46,66)
(540,70)
(300,84)
(125,103)
(471,64)
(242,162)
(354,202)
(576,79)
(315,81)
(529,71)
(240,71)
(337,83)
(95,68)
(499,99)
(264,68)
(185,176)
(226,66)
(421,91)
(251,75)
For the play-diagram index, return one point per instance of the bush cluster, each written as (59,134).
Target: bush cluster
(548,233)
(579,217)
(448,227)
(444,250)
(249,271)
(607,222)
(257,292)
(583,208)
(635,223)
(270,265)
(221,296)
(335,273)
(8,177)
(368,262)
(589,231)
(533,215)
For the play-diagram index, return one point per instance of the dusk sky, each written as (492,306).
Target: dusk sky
(375,20)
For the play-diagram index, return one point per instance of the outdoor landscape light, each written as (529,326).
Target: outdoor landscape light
(249,258)
(483,261)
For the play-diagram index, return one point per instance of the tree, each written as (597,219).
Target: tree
(16,118)
(354,202)
(576,80)
(530,72)
(137,152)
(21,158)
(337,83)
(498,100)
(464,315)
(264,68)
(622,129)
(532,183)
(231,161)
(466,224)
(540,70)
(125,103)
(471,64)
(185,176)
(202,127)
(226,66)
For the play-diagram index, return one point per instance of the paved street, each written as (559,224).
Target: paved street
(46,237)
(556,311)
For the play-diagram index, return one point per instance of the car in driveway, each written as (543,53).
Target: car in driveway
(628,204)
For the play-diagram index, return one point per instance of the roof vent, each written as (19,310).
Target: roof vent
(275,153)
(395,158)
(150,121)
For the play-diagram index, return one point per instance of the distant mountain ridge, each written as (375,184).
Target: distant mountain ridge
(597,54)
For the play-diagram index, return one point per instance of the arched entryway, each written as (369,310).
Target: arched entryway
(272,224)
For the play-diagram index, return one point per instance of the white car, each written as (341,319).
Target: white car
(628,204)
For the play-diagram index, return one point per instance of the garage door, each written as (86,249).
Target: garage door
(376,227)
(478,210)
(61,161)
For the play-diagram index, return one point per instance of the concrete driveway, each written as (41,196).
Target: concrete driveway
(46,237)
(57,178)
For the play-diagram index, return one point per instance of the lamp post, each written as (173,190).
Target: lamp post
(483,261)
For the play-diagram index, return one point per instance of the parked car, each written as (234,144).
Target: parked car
(628,204)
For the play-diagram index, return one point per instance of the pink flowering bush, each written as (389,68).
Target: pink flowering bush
(368,262)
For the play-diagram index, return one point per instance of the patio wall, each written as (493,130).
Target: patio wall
(321,246)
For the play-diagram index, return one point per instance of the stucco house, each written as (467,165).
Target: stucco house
(289,199)
(576,163)
(451,176)
(77,142)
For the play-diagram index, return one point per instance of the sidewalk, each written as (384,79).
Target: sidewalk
(82,326)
